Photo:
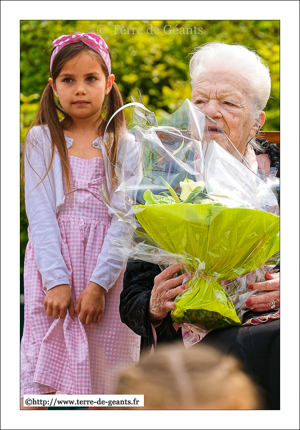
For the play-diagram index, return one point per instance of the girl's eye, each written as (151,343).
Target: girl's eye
(91,78)
(67,80)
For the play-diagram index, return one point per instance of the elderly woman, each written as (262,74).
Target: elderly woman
(231,86)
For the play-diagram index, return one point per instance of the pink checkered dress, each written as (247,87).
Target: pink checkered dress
(65,355)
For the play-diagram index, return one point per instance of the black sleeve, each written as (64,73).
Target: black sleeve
(135,297)
(134,303)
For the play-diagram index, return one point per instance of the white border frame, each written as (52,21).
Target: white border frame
(14,11)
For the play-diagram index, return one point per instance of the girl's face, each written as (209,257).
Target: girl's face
(81,86)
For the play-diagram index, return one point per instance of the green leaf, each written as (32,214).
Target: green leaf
(172,192)
(153,199)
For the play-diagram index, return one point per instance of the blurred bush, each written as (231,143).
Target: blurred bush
(150,55)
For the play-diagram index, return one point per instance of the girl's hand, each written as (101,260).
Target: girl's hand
(268,300)
(91,304)
(58,300)
(165,289)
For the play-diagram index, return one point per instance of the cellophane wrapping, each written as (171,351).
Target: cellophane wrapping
(197,201)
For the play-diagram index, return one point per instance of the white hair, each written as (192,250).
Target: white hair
(238,59)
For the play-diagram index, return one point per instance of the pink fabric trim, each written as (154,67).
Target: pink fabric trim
(155,339)
(263,319)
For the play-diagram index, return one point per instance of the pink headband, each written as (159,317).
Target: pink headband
(90,39)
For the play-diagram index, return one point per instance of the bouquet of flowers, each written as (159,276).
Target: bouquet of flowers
(196,201)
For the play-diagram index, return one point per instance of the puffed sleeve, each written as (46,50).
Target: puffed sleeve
(108,268)
(40,203)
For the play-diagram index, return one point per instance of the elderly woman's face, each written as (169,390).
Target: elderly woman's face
(223,97)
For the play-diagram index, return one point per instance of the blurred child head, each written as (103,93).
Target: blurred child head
(196,378)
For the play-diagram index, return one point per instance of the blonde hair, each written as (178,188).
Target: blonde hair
(196,378)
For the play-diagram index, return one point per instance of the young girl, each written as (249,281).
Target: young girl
(73,340)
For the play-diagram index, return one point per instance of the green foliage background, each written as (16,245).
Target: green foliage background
(154,59)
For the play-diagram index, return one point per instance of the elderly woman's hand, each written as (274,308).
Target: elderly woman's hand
(270,298)
(165,289)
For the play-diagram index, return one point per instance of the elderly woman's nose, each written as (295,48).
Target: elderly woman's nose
(212,109)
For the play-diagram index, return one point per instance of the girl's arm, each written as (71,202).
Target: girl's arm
(40,202)
(108,268)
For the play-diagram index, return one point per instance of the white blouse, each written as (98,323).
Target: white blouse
(44,199)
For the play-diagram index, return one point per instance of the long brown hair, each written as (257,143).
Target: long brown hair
(49,109)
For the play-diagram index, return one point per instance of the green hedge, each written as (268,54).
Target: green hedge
(154,58)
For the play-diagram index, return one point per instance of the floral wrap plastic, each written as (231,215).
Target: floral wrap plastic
(197,201)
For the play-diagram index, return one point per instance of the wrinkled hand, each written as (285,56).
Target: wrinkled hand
(58,300)
(270,298)
(165,289)
(91,304)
